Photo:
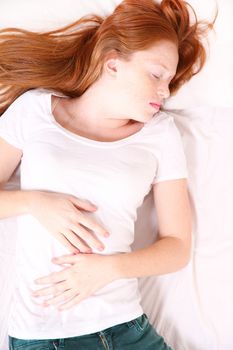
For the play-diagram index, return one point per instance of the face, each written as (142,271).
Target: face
(142,83)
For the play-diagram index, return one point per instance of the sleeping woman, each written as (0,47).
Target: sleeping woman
(81,114)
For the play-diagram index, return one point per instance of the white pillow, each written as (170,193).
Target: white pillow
(46,14)
(213,86)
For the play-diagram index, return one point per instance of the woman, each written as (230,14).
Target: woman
(81,117)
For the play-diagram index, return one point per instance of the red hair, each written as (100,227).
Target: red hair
(70,59)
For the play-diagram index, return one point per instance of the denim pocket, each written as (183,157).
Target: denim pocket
(22,344)
(139,323)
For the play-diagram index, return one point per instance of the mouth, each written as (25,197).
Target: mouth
(155,105)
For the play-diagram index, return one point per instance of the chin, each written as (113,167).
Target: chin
(148,118)
(144,118)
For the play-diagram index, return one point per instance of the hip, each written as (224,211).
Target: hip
(137,334)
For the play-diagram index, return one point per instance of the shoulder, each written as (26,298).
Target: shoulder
(31,94)
(161,124)
(27,107)
(163,134)
(27,100)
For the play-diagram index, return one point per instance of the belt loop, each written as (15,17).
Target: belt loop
(103,340)
(61,343)
(55,345)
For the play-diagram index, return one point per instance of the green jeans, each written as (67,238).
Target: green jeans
(137,334)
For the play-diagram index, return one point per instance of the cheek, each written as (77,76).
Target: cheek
(137,92)
(144,89)
(143,94)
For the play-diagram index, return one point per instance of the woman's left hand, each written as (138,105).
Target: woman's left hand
(86,274)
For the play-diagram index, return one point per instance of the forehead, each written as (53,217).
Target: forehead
(162,52)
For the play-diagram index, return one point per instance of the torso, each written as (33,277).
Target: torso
(115,176)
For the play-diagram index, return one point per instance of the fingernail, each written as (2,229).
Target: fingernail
(101,248)
(106,234)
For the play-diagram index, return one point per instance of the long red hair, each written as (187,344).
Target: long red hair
(70,59)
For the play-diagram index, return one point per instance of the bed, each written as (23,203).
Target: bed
(193,307)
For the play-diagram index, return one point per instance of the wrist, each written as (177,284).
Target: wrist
(29,200)
(115,266)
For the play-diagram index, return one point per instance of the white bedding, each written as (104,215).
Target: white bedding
(192,308)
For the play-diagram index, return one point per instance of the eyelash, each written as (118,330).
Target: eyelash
(155,76)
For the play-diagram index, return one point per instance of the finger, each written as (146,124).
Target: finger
(77,242)
(76,300)
(60,298)
(92,225)
(43,292)
(54,290)
(65,242)
(85,205)
(87,237)
(54,277)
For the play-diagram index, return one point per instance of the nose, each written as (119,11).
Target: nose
(163,91)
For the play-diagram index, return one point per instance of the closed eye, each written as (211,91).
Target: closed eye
(155,76)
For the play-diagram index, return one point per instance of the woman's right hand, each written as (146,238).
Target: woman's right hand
(62,215)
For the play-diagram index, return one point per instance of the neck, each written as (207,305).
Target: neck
(84,117)
(90,112)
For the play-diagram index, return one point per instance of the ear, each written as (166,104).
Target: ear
(111,65)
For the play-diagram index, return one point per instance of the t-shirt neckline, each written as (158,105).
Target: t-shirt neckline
(85,139)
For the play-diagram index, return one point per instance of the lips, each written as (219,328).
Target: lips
(155,105)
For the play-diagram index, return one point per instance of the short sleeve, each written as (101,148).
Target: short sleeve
(172,161)
(13,122)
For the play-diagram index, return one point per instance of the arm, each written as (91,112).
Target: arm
(59,213)
(169,253)
(11,202)
(172,250)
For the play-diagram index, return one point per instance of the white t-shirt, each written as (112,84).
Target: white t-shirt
(115,176)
